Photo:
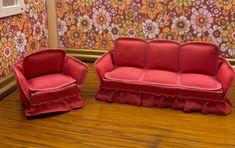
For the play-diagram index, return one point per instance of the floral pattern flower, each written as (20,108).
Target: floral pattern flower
(120,4)
(20,41)
(131,30)
(76,35)
(180,20)
(104,41)
(4,29)
(181,24)
(62,7)
(62,27)
(170,34)
(33,44)
(114,30)
(36,8)
(216,33)
(163,20)
(85,23)
(69,18)
(229,38)
(38,30)
(150,29)
(7,55)
(151,7)
(101,19)
(184,3)
(201,21)
(27,29)
(226,5)
(85,3)
(22,34)
(181,5)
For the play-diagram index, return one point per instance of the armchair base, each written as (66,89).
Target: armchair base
(50,81)
(61,100)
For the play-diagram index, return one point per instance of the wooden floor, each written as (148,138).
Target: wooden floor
(105,125)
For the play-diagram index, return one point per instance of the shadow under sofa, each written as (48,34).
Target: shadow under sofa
(189,77)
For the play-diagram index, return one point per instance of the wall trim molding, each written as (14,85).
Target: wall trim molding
(232,61)
(89,55)
(93,54)
(7,85)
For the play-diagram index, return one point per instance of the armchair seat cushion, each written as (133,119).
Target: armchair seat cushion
(160,77)
(50,82)
(199,81)
(125,73)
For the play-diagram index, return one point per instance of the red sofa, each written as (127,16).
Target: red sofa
(189,77)
(50,81)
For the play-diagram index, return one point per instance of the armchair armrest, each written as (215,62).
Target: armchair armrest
(22,84)
(75,68)
(104,64)
(225,76)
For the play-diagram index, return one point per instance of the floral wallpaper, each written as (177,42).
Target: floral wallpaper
(22,34)
(97,23)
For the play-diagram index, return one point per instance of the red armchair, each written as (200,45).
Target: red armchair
(50,81)
(190,77)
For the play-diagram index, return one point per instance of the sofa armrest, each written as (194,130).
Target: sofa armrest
(225,76)
(75,68)
(103,64)
(22,84)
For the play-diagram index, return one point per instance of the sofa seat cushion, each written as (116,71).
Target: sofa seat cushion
(199,81)
(160,77)
(50,82)
(182,92)
(125,74)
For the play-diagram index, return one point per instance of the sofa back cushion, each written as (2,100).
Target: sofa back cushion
(163,55)
(43,62)
(199,58)
(130,52)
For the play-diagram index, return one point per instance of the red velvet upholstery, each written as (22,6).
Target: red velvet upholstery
(129,52)
(199,81)
(161,77)
(225,75)
(171,76)
(75,69)
(104,64)
(163,55)
(50,84)
(199,58)
(162,90)
(125,74)
(33,64)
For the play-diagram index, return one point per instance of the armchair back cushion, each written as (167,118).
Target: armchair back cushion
(199,58)
(163,55)
(39,63)
(130,53)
